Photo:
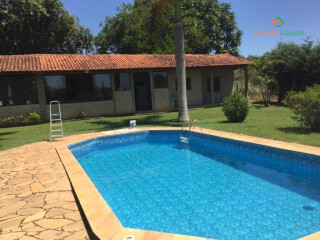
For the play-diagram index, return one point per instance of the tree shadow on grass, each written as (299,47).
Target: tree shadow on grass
(3,134)
(226,121)
(296,130)
(110,123)
(260,104)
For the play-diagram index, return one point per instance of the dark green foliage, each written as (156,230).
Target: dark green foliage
(297,68)
(148,27)
(293,66)
(41,26)
(32,119)
(23,120)
(235,107)
(306,105)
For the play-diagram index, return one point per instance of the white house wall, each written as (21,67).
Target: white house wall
(195,96)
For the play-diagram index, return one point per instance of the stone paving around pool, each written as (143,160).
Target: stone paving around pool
(36,201)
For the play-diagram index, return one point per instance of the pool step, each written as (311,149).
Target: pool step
(184,140)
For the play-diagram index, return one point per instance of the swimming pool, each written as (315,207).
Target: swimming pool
(212,187)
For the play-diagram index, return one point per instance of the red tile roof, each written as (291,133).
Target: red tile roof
(74,62)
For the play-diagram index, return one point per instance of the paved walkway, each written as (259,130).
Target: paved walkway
(36,201)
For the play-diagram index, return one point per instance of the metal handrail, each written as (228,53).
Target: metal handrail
(194,121)
(185,124)
(191,123)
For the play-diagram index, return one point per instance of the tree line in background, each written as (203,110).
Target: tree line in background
(288,67)
(146,26)
(41,26)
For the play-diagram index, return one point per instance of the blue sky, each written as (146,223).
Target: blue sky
(251,15)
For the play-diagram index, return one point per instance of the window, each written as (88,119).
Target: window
(160,80)
(78,87)
(208,84)
(188,84)
(216,84)
(122,81)
(18,90)
(56,88)
(102,86)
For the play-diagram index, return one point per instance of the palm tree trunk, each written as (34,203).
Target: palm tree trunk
(181,65)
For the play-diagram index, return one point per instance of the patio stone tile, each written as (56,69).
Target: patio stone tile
(11,208)
(25,194)
(51,234)
(78,235)
(54,204)
(28,238)
(53,223)
(28,211)
(66,196)
(10,224)
(76,226)
(52,212)
(73,216)
(35,230)
(52,196)
(36,187)
(8,217)
(34,217)
(17,180)
(11,236)
(71,206)
(28,225)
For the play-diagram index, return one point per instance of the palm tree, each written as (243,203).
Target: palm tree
(179,52)
(180,65)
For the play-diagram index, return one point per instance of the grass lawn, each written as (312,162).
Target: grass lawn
(274,122)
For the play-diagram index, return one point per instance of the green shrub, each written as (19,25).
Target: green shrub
(33,118)
(28,119)
(235,107)
(306,105)
(20,121)
(7,122)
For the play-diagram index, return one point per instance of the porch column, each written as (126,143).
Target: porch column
(212,87)
(114,97)
(133,100)
(246,80)
(153,99)
(42,97)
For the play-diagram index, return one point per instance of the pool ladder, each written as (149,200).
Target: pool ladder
(56,129)
(191,123)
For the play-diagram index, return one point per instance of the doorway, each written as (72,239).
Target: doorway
(142,91)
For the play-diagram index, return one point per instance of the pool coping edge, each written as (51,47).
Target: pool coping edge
(102,220)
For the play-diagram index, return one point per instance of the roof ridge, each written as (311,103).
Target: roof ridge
(99,62)
(111,54)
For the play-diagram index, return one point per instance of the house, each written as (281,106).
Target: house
(110,84)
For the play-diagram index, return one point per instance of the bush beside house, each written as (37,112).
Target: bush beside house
(23,120)
(235,107)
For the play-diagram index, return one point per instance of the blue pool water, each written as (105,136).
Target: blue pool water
(211,187)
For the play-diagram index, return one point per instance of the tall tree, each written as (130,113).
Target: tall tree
(147,26)
(41,26)
(180,65)
(298,68)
